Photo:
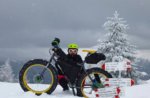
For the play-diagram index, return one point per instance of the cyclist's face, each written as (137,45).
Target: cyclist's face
(73,51)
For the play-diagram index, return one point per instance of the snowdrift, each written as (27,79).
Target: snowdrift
(13,90)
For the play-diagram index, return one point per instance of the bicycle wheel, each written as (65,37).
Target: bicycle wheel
(94,79)
(37,78)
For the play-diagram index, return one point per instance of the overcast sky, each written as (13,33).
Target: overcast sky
(35,23)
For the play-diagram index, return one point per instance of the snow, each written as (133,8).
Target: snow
(13,90)
(139,91)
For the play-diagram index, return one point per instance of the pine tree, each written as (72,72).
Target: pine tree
(116,46)
(6,73)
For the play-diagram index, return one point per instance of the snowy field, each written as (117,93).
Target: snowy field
(13,90)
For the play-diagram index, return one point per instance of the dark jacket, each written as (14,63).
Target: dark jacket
(75,58)
(67,60)
(68,65)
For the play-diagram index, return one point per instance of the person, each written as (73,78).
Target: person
(74,57)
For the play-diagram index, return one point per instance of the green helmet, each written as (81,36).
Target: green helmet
(73,46)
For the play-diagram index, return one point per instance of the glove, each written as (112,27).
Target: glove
(55,42)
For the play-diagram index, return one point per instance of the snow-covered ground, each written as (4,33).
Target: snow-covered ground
(13,90)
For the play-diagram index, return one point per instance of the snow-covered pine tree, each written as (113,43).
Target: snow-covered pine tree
(116,46)
(6,72)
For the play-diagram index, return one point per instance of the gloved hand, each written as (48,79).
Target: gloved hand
(55,42)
